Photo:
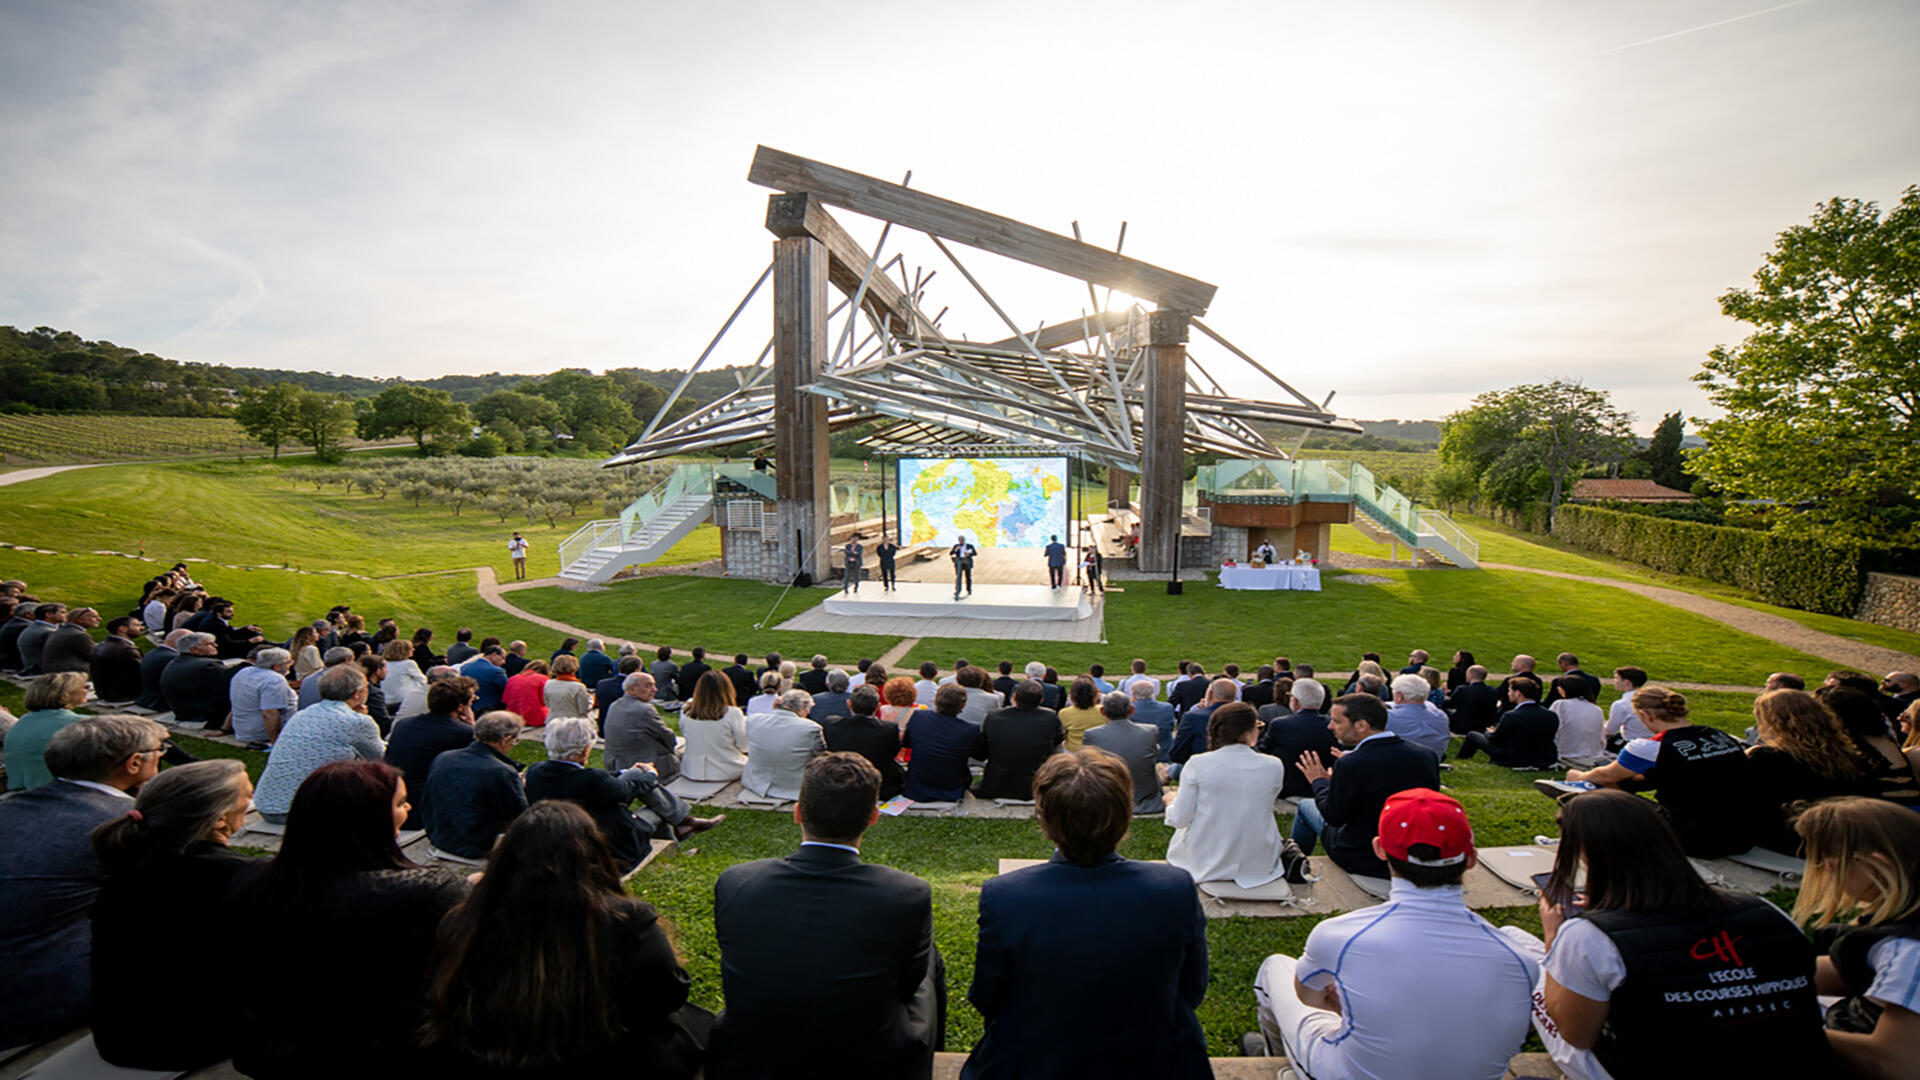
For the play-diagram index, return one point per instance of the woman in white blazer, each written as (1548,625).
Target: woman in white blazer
(1222,815)
(715,730)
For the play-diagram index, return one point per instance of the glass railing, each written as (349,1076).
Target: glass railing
(1317,480)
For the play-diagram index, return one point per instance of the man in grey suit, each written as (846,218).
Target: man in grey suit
(635,733)
(1134,743)
(48,876)
(779,745)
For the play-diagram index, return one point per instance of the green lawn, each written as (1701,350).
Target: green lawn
(718,614)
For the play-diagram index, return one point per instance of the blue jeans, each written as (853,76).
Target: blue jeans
(1308,824)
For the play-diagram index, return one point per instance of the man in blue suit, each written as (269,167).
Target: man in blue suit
(1148,711)
(1056,562)
(1112,990)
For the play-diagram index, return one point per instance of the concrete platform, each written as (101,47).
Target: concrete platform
(934,600)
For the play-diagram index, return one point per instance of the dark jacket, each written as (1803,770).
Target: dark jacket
(47,888)
(1015,742)
(474,794)
(745,686)
(605,693)
(152,666)
(1189,694)
(515,663)
(1160,715)
(68,648)
(115,668)
(603,795)
(492,683)
(828,704)
(813,681)
(1109,992)
(196,688)
(690,674)
(1352,798)
(874,739)
(1526,738)
(129,1029)
(1288,737)
(416,741)
(1190,737)
(10,641)
(942,745)
(594,666)
(1473,707)
(820,956)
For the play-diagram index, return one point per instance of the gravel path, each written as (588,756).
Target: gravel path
(1858,655)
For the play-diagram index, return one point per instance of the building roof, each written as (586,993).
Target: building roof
(1641,491)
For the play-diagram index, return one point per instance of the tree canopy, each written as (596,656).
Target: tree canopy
(418,412)
(1526,442)
(1822,396)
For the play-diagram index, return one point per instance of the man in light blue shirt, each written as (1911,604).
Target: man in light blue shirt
(334,730)
(1415,719)
(263,701)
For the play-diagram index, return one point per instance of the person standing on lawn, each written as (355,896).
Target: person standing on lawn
(517,547)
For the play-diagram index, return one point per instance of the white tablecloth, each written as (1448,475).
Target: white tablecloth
(1306,578)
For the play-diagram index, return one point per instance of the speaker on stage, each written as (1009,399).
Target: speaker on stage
(1176,587)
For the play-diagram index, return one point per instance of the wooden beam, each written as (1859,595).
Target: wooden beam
(789,216)
(799,418)
(976,228)
(1070,332)
(1163,456)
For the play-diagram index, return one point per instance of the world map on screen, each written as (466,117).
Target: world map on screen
(993,502)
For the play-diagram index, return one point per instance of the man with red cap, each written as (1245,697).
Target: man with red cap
(1417,979)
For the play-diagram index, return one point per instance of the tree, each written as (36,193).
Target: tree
(523,411)
(1526,442)
(270,415)
(1823,397)
(322,422)
(1662,456)
(591,409)
(416,411)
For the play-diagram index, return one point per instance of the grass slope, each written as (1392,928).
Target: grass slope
(718,614)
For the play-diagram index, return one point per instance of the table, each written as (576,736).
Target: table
(1304,578)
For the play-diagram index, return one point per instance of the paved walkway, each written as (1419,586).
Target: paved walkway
(21,476)
(1858,655)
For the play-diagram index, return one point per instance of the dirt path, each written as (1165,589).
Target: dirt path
(1858,655)
(21,476)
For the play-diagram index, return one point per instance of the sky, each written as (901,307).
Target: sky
(1402,203)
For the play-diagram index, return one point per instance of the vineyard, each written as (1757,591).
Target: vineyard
(53,440)
(529,489)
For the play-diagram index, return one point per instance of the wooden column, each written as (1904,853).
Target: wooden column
(1164,455)
(800,419)
(1119,488)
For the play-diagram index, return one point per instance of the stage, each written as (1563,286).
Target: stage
(928,609)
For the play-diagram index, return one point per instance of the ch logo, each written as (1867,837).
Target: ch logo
(1719,947)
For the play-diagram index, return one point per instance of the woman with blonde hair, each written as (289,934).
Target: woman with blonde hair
(1863,865)
(51,701)
(762,703)
(565,695)
(403,674)
(715,730)
(1804,756)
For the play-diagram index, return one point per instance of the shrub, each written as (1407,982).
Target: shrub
(484,445)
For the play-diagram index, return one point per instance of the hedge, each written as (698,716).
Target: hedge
(1812,575)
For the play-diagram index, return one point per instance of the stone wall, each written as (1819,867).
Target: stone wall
(746,555)
(1208,552)
(1891,600)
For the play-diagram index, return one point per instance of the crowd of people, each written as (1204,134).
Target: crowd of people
(538,961)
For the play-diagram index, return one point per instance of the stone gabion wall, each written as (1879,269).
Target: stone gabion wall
(748,556)
(1208,552)
(1891,600)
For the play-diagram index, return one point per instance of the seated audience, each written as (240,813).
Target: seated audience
(334,730)
(1581,737)
(779,745)
(981,697)
(261,698)
(1415,719)
(1146,710)
(1420,986)
(593,665)
(1222,813)
(548,968)
(50,703)
(608,796)
(861,731)
(114,664)
(769,696)
(487,670)
(1622,724)
(900,704)
(1527,735)
(374,667)
(48,885)
(1804,756)
(1699,774)
(1112,990)
(1004,682)
(1015,741)
(565,694)
(515,659)
(310,686)
(1463,661)
(1081,712)
(153,666)
(1137,745)
(1191,737)
(833,700)
(447,725)
(715,730)
(814,679)
(827,963)
(1346,803)
(927,685)
(195,684)
(423,657)
(526,694)
(165,863)
(746,684)
(1889,771)
(340,883)
(10,630)
(415,702)
(462,649)
(1639,947)
(473,793)
(216,618)
(1473,705)
(610,689)
(403,675)
(942,746)
(70,646)
(635,732)
(1863,860)
(305,647)
(33,638)
(1302,731)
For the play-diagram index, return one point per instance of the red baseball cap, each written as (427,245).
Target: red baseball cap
(1425,816)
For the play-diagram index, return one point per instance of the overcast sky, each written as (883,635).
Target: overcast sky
(1406,203)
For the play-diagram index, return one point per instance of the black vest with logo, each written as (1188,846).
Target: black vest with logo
(1847,947)
(1702,783)
(1721,991)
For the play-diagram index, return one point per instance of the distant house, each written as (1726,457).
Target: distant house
(1634,491)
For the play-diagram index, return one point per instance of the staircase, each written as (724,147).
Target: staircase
(652,524)
(1381,513)
(1438,541)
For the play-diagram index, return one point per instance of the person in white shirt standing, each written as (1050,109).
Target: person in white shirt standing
(1418,979)
(517,547)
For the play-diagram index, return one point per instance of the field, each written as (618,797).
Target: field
(54,440)
(413,563)
(1410,466)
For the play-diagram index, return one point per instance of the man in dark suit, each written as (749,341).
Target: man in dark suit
(690,673)
(1260,693)
(607,797)
(1004,682)
(115,662)
(1190,693)
(1526,736)
(1302,731)
(152,666)
(827,962)
(1347,799)
(814,679)
(745,682)
(1473,705)
(1018,740)
(195,684)
(608,690)
(1523,665)
(1570,669)
(475,793)
(216,618)
(858,730)
(1191,736)
(417,740)
(832,701)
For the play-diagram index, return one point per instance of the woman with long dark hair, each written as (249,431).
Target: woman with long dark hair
(549,968)
(1889,771)
(1457,674)
(423,649)
(166,864)
(1644,959)
(345,925)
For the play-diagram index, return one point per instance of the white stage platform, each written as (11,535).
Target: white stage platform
(931,600)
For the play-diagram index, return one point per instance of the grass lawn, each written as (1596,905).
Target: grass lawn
(716,613)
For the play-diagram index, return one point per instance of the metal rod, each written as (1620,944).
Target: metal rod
(688,377)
